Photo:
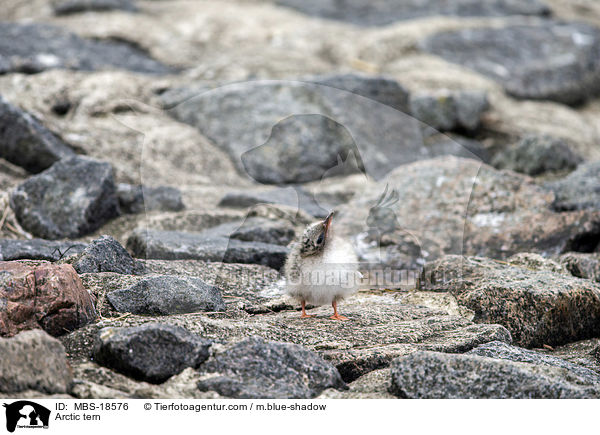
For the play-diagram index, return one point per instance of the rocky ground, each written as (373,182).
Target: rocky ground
(157,157)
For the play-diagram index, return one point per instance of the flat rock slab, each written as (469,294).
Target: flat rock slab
(38,249)
(385,12)
(537,306)
(25,140)
(163,295)
(259,369)
(42,295)
(151,353)
(140,199)
(75,196)
(433,375)
(104,254)
(548,60)
(33,360)
(43,47)
(177,245)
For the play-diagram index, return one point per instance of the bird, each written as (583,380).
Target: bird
(321,268)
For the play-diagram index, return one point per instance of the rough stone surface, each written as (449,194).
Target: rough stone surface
(433,375)
(537,306)
(38,249)
(547,60)
(151,353)
(582,265)
(70,199)
(42,295)
(32,360)
(140,199)
(449,111)
(26,142)
(175,245)
(580,190)
(66,7)
(163,295)
(257,229)
(104,254)
(43,47)
(259,369)
(387,11)
(535,155)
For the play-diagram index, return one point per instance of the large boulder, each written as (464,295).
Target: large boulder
(43,47)
(538,306)
(259,369)
(75,196)
(151,353)
(545,60)
(387,11)
(32,360)
(42,295)
(26,142)
(164,295)
(38,249)
(434,375)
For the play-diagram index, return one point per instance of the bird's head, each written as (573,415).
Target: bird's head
(315,237)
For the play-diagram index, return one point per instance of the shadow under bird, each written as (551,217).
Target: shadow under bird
(321,268)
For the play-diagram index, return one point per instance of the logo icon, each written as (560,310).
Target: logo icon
(26,414)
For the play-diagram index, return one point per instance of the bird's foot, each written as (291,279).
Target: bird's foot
(306,316)
(338,317)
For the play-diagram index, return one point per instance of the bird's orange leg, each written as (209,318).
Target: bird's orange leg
(304,315)
(336,315)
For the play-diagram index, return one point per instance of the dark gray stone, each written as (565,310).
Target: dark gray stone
(500,350)
(167,294)
(139,199)
(582,265)
(75,196)
(66,7)
(176,245)
(33,360)
(535,155)
(547,60)
(433,375)
(257,229)
(43,47)
(38,249)
(151,353)
(580,190)
(104,254)
(450,111)
(259,369)
(384,12)
(26,142)
(242,117)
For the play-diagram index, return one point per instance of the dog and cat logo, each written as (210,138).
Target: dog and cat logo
(25,414)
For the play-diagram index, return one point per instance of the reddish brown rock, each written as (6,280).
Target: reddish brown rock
(36,294)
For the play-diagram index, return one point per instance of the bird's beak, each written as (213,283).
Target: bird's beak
(327,221)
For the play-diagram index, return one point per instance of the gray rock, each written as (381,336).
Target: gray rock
(43,47)
(70,199)
(283,196)
(459,146)
(582,265)
(433,375)
(259,369)
(385,90)
(450,110)
(176,245)
(139,199)
(26,142)
(469,106)
(500,350)
(38,249)
(387,11)
(104,254)
(546,60)
(580,190)
(257,229)
(535,155)
(164,295)
(151,353)
(33,360)
(67,7)
(241,117)
(537,306)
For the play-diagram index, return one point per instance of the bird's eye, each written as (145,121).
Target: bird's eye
(320,239)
